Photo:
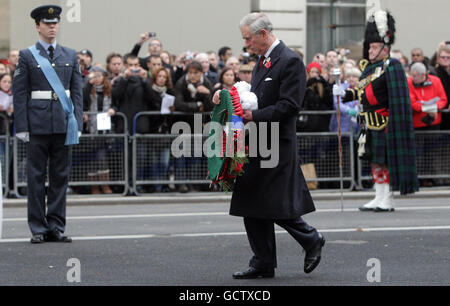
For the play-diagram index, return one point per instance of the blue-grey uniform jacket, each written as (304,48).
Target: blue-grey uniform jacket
(45,117)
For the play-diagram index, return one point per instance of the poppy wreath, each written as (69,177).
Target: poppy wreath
(223,169)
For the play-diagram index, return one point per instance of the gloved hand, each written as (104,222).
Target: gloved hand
(338,91)
(79,134)
(352,112)
(24,136)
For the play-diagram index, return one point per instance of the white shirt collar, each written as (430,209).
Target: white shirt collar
(275,43)
(46,45)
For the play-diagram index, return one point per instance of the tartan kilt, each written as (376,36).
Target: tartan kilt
(378,145)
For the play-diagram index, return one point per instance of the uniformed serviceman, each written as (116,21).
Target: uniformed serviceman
(388,137)
(48,108)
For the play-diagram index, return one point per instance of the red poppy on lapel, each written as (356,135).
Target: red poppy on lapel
(267,63)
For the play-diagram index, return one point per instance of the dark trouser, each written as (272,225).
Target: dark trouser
(261,235)
(51,148)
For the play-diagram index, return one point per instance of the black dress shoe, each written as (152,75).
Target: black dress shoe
(312,257)
(37,239)
(379,209)
(362,208)
(57,236)
(253,273)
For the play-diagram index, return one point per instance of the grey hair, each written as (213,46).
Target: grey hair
(352,72)
(256,22)
(419,68)
(200,56)
(230,59)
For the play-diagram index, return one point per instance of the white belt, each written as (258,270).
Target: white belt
(46,95)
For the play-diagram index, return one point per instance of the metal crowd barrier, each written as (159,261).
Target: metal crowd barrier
(153,162)
(95,154)
(322,150)
(146,159)
(5,156)
(432,157)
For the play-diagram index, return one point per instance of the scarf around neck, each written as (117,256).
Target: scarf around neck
(160,89)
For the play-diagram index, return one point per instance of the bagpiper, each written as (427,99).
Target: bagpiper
(386,139)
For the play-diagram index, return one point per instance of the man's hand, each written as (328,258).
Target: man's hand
(24,136)
(433,115)
(143,38)
(441,45)
(114,79)
(248,116)
(203,90)
(127,73)
(216,98)
(111,112)
(85,118)
(143,73)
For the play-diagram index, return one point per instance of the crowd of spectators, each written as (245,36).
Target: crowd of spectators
(130,84)
(428,82)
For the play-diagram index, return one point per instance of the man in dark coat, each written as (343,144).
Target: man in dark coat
(42,122)
(279,195)
(130,95)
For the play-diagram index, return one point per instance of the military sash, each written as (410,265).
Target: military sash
(58,88)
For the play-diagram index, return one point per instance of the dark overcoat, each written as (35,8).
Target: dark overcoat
(281,192)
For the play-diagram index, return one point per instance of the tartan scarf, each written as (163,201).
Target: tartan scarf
(400,141)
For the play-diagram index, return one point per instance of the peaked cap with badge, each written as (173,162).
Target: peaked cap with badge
(46,13)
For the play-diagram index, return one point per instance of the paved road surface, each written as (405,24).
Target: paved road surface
(200,244)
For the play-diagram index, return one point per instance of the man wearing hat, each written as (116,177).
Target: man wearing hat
(85,62)
(48,118)
(245,73)
(387,141)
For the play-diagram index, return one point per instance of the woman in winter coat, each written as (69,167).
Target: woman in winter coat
(97,99)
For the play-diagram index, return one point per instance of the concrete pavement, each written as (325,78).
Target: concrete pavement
(200,245)
(221,197)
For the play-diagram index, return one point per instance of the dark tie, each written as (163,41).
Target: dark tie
(261,60)
(50,52)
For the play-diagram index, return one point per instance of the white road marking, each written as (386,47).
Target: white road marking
(146,236)
(203,214)
(131,216)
